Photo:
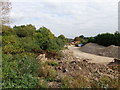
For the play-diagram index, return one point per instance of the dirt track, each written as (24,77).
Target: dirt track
(93,58)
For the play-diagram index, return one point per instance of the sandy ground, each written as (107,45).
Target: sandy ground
(93,58)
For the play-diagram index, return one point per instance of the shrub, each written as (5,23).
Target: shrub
(47,41)
(29,44)
(11,44)
(52,63)
(107,39)
(59,55)
(6,30)
(19,71)
(42,83)
(76,39)
(47,72)
(75,82)
(66,82)
(80,82)
(106,82)
(24,31)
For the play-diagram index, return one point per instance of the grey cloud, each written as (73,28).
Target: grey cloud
(71,18)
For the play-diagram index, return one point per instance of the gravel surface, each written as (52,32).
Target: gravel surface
(91,57)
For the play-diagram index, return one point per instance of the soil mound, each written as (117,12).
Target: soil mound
(93,48)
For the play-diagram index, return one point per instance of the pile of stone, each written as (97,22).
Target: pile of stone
(42,58)
(89,70)
(68,56)
(115,62)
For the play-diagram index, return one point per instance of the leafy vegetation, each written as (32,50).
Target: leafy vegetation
(20,47)
(106,82)
(106,39)
(76,82)
(47,72)
(19,71)
(22,44)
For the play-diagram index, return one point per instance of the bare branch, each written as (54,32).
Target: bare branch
(5,7)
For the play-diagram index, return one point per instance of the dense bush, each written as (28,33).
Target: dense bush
(81,39)
(47,41)
(6,30)
(11,44)
(24,31)
(106,82)
(20,47)
(47,72)
(29,44)
(19,71)
(76,39)
(74,82)
(107,39)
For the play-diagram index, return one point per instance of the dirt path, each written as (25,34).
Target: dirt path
(93,58)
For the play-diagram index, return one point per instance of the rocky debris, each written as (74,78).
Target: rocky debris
(90,70)
(42,58)
(53,84)
(86,60)
(74,66)
(115,62)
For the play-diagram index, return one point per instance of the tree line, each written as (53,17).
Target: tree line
(27,38)
(105,39)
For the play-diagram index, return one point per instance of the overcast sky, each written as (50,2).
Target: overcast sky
(69,17)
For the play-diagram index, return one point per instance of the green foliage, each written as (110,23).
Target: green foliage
(106,82)
(76,39)
(91,39)
(29,44)
(76,82)
(6,30)
(46,32)
(81,36)
(55,44)
(11,44)
(0,40)
(66,82)
(19,71)
(63,38)
(59,55)
(42,83)
(24,31)
(47,72)
(47,41)
(52,63)
(107,39)
(20,47)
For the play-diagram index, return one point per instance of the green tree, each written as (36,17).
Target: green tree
(46,32)
(63,38)
(81,36)
(6,30)
(29,44)
(24,31)
(76,39)
(11,44)
(107,39)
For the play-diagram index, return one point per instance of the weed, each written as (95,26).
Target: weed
(52,63)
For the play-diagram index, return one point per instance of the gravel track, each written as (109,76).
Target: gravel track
(93,58)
